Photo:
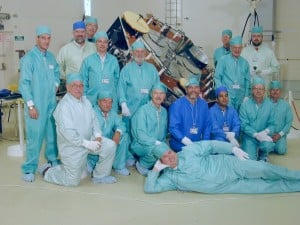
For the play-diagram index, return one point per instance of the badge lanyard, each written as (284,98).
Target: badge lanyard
(158,120)
(225,125)
(194,129)
(102,62)
(236,85)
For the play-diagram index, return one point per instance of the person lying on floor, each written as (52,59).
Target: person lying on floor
(217,167)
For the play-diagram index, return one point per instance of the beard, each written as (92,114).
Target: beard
(80,40)
(257,44)
(139,60)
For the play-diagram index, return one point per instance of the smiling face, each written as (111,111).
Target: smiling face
(222,99)
(275,94)
(139,55)
(256,39)
(91,29)
(258,92)
(43,41)
(105,104)
(192,92)
(170,158)
(236,50)
(75,89)
(158,96)
(226,40)
(102,45)
(79,36)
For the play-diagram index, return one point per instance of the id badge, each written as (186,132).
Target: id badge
(105,81)
(144,91)
(226,129)
(51,67)
(236,86)
(194,130)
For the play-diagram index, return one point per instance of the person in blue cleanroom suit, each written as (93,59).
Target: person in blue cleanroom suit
(257,122)
(100,71)
(261,58)
(78,133)
(210,167)
(38,84)
(233,72)
(189,118)
(225,120)
(136,80)
(283,117)
(149,128)
(225,49)
(112,127)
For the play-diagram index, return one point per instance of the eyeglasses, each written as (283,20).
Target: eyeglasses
(258,88)
(77,86)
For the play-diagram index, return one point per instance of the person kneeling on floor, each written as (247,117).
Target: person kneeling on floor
(78,133)
(112,127)
(149,129)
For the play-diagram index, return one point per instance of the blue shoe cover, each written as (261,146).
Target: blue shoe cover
(123,172)
(130,162)
(43,167)
(28,177)
(142,170)
(104,180)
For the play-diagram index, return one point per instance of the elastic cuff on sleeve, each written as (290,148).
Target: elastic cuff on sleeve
(30,103)
(267,131)
(119,131)
(98,135)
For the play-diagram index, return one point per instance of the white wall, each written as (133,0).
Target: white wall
(107,12)
(205,19)
(27,15)
(287,24)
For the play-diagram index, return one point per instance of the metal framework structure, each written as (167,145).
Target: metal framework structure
(173,13)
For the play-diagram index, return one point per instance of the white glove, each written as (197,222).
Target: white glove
(253,73)
(258,72)
(157,142)
(240,153)
(264,72)
(234,142)
(158,166)
(186,141)
(93,146)
(263,136)
(265,131)
(231,137)
(125,110)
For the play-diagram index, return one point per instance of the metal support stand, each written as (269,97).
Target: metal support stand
(18,150)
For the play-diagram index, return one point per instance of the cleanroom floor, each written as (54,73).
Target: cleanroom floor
(41,203)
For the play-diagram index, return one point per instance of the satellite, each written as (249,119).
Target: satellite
(173,53)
